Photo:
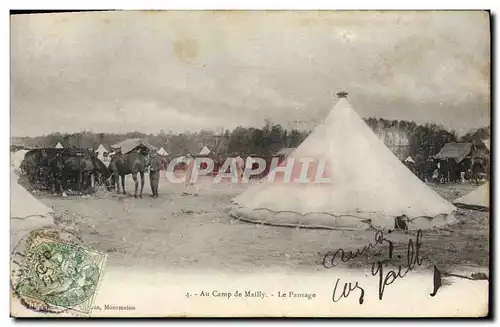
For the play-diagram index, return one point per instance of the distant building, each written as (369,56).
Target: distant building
(134,144)
(463,151)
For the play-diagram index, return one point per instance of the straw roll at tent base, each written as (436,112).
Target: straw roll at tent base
(361,194)
(479,199)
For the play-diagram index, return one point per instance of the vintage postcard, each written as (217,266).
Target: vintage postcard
(250,164)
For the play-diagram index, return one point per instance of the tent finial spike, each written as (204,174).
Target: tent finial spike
(342,94)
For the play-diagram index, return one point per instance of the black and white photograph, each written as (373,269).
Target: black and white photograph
(250,163)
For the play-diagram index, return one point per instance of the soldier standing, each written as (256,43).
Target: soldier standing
(155,167)
(191,176)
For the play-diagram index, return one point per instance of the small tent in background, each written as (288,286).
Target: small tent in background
(103,154)
(410,159)
(486,143)
(26,211)
(101,149)
(58,145)
(479,199)
(162,152)
(205,151)
(360,194)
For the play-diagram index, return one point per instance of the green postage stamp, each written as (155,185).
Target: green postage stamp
(60,275)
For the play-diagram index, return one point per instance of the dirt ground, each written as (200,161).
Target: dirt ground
(195,232)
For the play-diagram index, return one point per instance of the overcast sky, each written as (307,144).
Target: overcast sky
(185,71)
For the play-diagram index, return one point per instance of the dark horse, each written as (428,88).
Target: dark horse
(80,167)
(56,167)
(83,168)
(43,167)
(130,163)
(477,168)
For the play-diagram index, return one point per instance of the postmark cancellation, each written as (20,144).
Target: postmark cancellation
(57,275)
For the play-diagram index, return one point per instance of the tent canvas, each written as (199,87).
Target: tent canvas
(27,211)
(361,195)
(479,199)
(162,152)
(17,158)
(101,149)
(58,145)
(205,151)
(285,152)
(487,143)
(409,159)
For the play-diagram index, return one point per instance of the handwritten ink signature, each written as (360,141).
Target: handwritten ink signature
(329,258)
(413,259)
(348,288)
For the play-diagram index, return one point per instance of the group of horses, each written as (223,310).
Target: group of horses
(80,170)
(62,169)
(449,171)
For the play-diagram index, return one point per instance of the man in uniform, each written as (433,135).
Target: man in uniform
(240,166)
(155,166)
(191,176)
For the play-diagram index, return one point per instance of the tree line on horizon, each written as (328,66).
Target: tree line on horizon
(424,140)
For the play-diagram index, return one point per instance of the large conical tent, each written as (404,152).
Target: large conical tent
(17,158)
(58,145)
(26,209)
(369,186)
(479,199)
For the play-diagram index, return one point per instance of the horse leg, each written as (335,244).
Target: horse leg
(52,183)
(134,176)
(142,183)
(116,182)
(83,183)
(79,182)
(88,181)
(57,184)
(64,182)
(60,183)
(123,184)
